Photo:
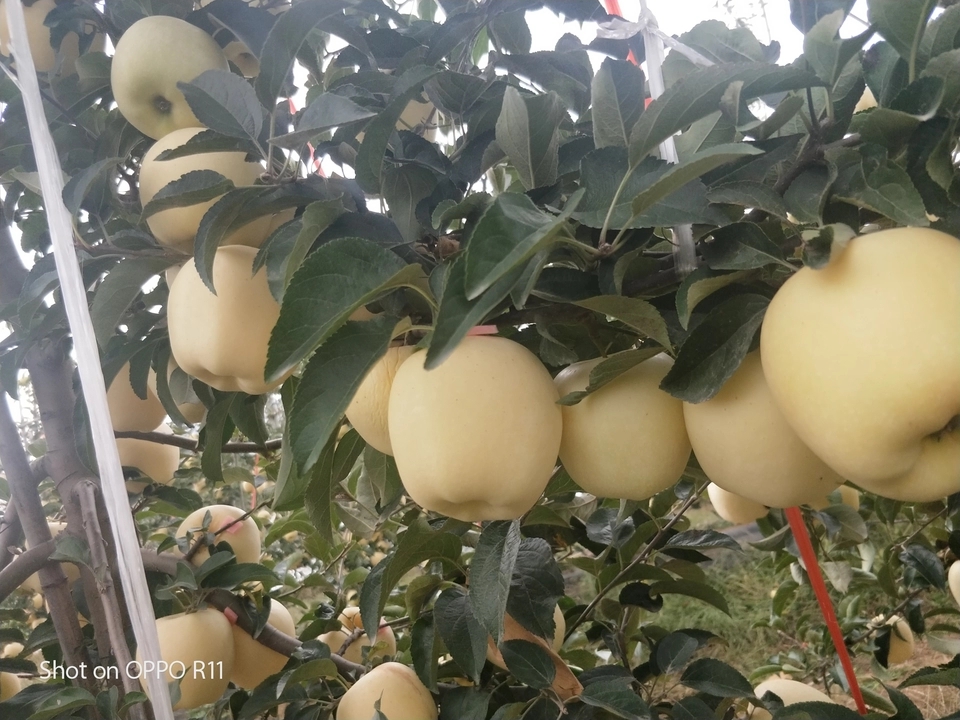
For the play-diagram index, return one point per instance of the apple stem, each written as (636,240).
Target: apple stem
(809,557)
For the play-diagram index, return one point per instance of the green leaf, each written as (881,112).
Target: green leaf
(529,663)
(192,188)
(217,429)
(673,651)
(715,348)
(330,381)
(880,185)
(528,132)
(491,571)
(742,246)
(925,564)
(676,176)
(700,284)
(826,52)
(457,315)
(510,33)
(617,96)
(64,700)
(118,290)
(698,539)
(424,650)
(816,711)
(807,194)
(638,314)
(617,697)
(510,232)
(465,703)
(326,111)
(699,93)
(224,102)
(417,544)
(940,35)
(750,194)
(932,676)
(78,186)
(403,188)
(610,369)
(464,636)
(318,500)
(716,678)
(535,587)
(946,67)
(692,708)
(804,14)
(283,43)
(369,163)
(901,23)
(691,588)
(330,284)
(824,243)
(208,141)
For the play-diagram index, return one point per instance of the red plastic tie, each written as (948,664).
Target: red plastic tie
(231,616)
(483,330)
(809,557)
(613,8)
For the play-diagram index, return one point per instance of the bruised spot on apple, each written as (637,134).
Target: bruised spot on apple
(874,389)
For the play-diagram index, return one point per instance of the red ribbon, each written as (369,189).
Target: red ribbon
(613,8)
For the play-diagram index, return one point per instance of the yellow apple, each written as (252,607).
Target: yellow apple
(239,54)
(152,56)
(401,694)
(477,437)
(38,37)
(350,620)
(902,642)
(866,102)
(12,650)
(254,662)
(493,652)
(863,359)
(69,569)
(627,439)
(368,409)
(177,227)
(127,410)
(222,339)
(157,461)
(744,444)
(953,581)
(849,496)
(419,117)
(242,536)
(10,684)
(192,410)
(734,508)
(790,692)
(203,637)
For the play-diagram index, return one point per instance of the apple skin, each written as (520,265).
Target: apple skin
(495,657)
(867,101)
(222,339)
(477,437)
(177,227)
(744,444)
(953,581)
(38,37)
(152,56)
(401,694)
(239,54)
(10,685)
(350,620)
(368,409)
(874,390)
(203,636)
(626,440)
(790,692)
(127,410)
(253,662)
(734,508)
(902,642)
(243,537)
(157,461)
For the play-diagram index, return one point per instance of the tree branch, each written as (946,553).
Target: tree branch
(23,566)
(10,535)
(188,443)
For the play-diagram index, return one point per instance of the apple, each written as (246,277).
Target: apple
(155,460)
(863,359)
(239,54)
(734,508)
(222,339)
(204,637)
(867,101)
(953,581)
(242,536)
(790,692)
(902,642)
(10,684)
(744,444)
(849,496)
(12,650)
(191,408)
(69,569)
(556,641)
(350,620)
(254,662)
(419,117)
(38,37)
(477,437)
(401,694)
(368,409)
(152,56)
(627,439)
(177,227)
(128,411)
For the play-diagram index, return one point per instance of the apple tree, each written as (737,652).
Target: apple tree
(421,344)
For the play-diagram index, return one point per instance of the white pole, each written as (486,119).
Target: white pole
(88,361)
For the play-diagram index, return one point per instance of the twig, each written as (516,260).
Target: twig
(23,566)
(187,443)
(201,541)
